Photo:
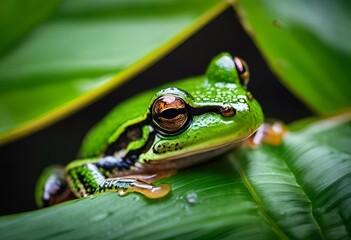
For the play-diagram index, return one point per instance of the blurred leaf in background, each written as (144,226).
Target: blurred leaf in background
(17,19)
(70,53)
(307,44)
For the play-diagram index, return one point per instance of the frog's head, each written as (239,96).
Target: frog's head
(210,115)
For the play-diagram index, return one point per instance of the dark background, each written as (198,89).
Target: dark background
(23,160)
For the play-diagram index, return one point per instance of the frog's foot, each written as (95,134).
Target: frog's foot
(143,184)
(144,188)
(87,180)
(152,177)
(52,187)
(270,133)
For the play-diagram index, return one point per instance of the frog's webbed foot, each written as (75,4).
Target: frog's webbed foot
(271,133)
(154,176)
(88,179)
(142,183)
(52,187)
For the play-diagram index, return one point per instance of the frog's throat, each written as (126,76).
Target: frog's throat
(190,158)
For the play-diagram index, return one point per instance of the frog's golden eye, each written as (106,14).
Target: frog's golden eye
(243,71)
(169,114)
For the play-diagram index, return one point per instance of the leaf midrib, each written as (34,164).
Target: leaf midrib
(259,203)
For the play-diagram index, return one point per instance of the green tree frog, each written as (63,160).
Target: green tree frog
(154,133)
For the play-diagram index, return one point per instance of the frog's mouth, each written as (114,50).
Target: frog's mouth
(186,159)
(189,158)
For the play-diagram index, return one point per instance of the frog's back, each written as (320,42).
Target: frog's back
(125,113)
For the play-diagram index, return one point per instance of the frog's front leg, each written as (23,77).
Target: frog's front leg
(271,133)
(91,178)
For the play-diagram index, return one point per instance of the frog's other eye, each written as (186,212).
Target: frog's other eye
(243,71)
(169,114)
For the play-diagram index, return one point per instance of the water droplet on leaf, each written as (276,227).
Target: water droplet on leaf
(191,198)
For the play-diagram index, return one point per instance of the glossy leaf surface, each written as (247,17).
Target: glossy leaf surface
(299,190)
(84,50)
(307,44)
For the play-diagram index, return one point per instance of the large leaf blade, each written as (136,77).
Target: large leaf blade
(298,190)
(133,217)
(318,172)
(88,48)
(274,187)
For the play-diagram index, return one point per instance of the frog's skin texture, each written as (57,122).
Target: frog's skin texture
(172,127)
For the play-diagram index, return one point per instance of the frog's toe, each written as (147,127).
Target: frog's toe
(146,189)
(271,133)
(52,187)
(151,191)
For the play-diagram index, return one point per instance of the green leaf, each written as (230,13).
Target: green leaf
(299,190)
(307,44)
(83,51)
(17,19)
(303,186)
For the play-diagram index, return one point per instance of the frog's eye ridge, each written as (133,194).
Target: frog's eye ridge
(169,114)
(243,70)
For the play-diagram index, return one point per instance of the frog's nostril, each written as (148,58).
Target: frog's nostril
(249,96)
(227,111)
